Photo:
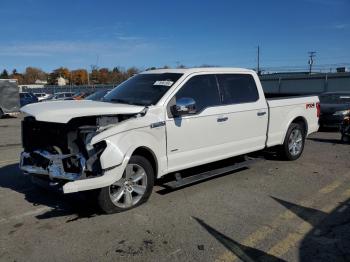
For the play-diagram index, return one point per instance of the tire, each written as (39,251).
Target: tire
(1,113)
(345,139)
(294,141)
(132,190)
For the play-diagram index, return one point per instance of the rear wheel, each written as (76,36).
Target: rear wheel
(133,189)
(293,145)
(1,113)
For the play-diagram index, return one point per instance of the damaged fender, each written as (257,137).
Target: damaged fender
(116,155)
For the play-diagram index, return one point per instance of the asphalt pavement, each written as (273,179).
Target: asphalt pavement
(273,211)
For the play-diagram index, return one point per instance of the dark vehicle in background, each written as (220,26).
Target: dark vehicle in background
(335,107)
(98,95)
(9,98)
(27,98)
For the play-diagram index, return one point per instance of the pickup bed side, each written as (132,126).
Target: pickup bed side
(282,112)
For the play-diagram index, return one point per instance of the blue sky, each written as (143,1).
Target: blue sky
(76,34)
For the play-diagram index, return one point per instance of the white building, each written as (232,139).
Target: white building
(61,81)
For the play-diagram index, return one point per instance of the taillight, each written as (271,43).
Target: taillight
(318,107)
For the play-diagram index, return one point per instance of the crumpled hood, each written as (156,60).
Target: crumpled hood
(63,111)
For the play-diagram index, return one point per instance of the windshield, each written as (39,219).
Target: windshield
(335,98)
(142,89)
(97,96)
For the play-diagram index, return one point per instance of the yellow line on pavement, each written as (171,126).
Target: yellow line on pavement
(283,246)
(346,193)
(330,187)
(264,231)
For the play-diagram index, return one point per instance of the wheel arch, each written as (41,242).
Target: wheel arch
(300,120)
(149,155)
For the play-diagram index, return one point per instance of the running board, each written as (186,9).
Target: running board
(180,181)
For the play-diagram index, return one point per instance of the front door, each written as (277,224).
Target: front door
(192,139)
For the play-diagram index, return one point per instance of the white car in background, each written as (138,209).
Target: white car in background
(156,123)
(42,96)
(62,96)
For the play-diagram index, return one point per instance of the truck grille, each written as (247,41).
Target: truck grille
(40,135)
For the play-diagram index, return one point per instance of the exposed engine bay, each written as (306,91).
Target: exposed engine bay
(63,152)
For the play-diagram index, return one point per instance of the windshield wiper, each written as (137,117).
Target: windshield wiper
(119,100)
(124,101)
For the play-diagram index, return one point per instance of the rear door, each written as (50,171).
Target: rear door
(245,113)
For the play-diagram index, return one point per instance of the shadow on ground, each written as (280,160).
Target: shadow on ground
(245,253)
(329,239)
(62,205)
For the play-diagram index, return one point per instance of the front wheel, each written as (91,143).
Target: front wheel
(133,189)
(294,141)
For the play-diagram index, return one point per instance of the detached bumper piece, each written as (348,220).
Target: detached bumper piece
(69,167)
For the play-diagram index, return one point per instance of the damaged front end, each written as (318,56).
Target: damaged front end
(61,153)
(42,162)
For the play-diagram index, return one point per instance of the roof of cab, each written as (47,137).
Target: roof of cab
(199,70)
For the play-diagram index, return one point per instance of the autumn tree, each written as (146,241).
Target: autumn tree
(79,77)
(59,72)
(131,71)
(18,76)
(32,74)
(103,76)
(116,77)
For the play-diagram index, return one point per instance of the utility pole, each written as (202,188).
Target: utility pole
(88,77)
(258,68)
(312,54)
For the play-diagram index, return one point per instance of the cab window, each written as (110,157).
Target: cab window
(238,88)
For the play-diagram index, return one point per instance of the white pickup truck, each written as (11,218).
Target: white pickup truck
(156,123)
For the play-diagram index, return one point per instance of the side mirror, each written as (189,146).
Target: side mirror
(184,106)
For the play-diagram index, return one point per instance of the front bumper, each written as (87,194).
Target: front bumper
(53,165)
(70,182)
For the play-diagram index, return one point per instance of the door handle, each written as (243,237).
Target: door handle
(222,119)
(261,113)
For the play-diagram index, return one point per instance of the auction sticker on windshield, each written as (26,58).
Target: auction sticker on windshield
(163,83)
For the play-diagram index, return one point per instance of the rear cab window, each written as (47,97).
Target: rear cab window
(237,88)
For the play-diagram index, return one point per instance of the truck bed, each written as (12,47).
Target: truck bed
(272,96)
(283,110)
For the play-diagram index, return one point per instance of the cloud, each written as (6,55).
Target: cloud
(122,45)
(338,26)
